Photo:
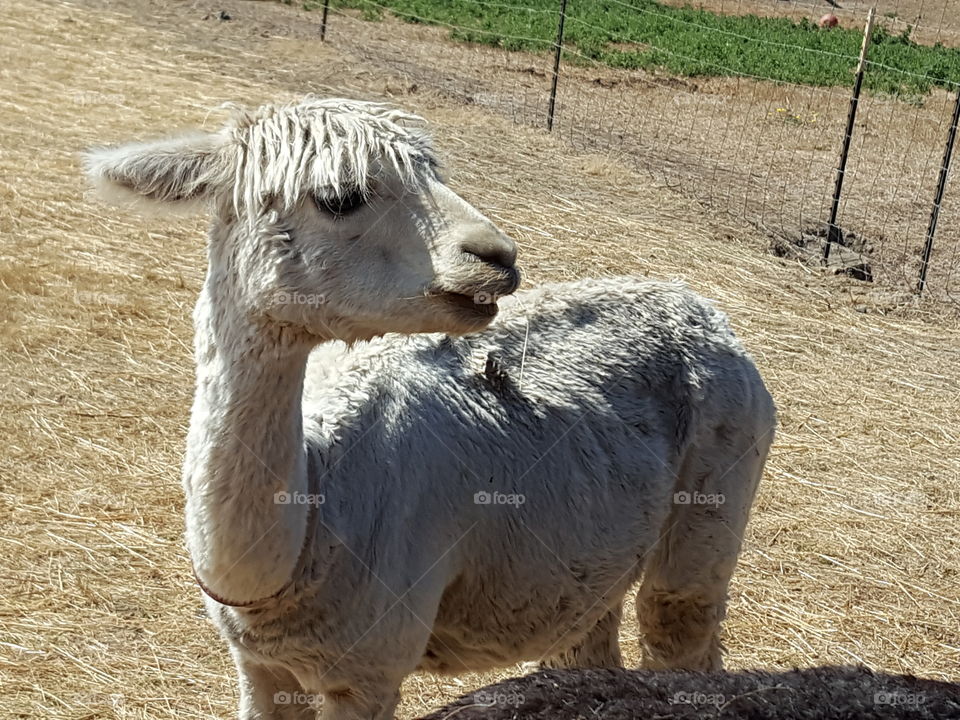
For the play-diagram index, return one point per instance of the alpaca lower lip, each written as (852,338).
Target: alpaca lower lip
(479,303)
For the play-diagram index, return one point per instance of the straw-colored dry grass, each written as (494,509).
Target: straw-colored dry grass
(853,551)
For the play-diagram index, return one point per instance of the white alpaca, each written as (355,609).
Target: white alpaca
(405,501)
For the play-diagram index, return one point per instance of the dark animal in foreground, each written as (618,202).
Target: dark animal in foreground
(819,693)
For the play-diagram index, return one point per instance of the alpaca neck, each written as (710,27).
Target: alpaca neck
(244,450)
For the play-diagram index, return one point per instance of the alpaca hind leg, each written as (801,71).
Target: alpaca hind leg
(683,595)
(600,648)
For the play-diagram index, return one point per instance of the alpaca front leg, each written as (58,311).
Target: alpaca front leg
(599,649)
(271,693)
(370,703)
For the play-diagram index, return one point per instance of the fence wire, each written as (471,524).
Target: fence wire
(756,147)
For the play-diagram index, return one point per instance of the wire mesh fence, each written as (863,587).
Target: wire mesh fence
(746,116)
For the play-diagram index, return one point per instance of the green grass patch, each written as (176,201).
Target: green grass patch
(686,41)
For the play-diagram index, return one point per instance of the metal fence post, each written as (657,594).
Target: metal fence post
(833,231)
(938,198)
(323,20)
(556,64)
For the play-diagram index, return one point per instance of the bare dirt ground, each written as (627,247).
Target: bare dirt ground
(852,553)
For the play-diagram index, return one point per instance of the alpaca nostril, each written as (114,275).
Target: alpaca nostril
(492,247)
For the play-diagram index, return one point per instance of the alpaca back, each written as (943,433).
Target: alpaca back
(553,439)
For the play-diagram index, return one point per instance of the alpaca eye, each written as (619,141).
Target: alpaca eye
(339,206)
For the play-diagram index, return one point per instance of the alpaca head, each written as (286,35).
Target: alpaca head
(329,218)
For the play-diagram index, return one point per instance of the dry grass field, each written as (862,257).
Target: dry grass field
(853,552)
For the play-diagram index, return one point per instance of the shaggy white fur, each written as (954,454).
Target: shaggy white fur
(364,506)
(329,149)
(274,155)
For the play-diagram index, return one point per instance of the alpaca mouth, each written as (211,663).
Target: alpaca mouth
(480,303)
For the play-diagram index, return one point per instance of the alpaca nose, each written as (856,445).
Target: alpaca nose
(491,246)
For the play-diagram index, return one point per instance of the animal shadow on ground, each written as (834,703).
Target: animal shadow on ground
(821,693)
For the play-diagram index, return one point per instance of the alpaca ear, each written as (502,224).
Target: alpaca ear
(184,171)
